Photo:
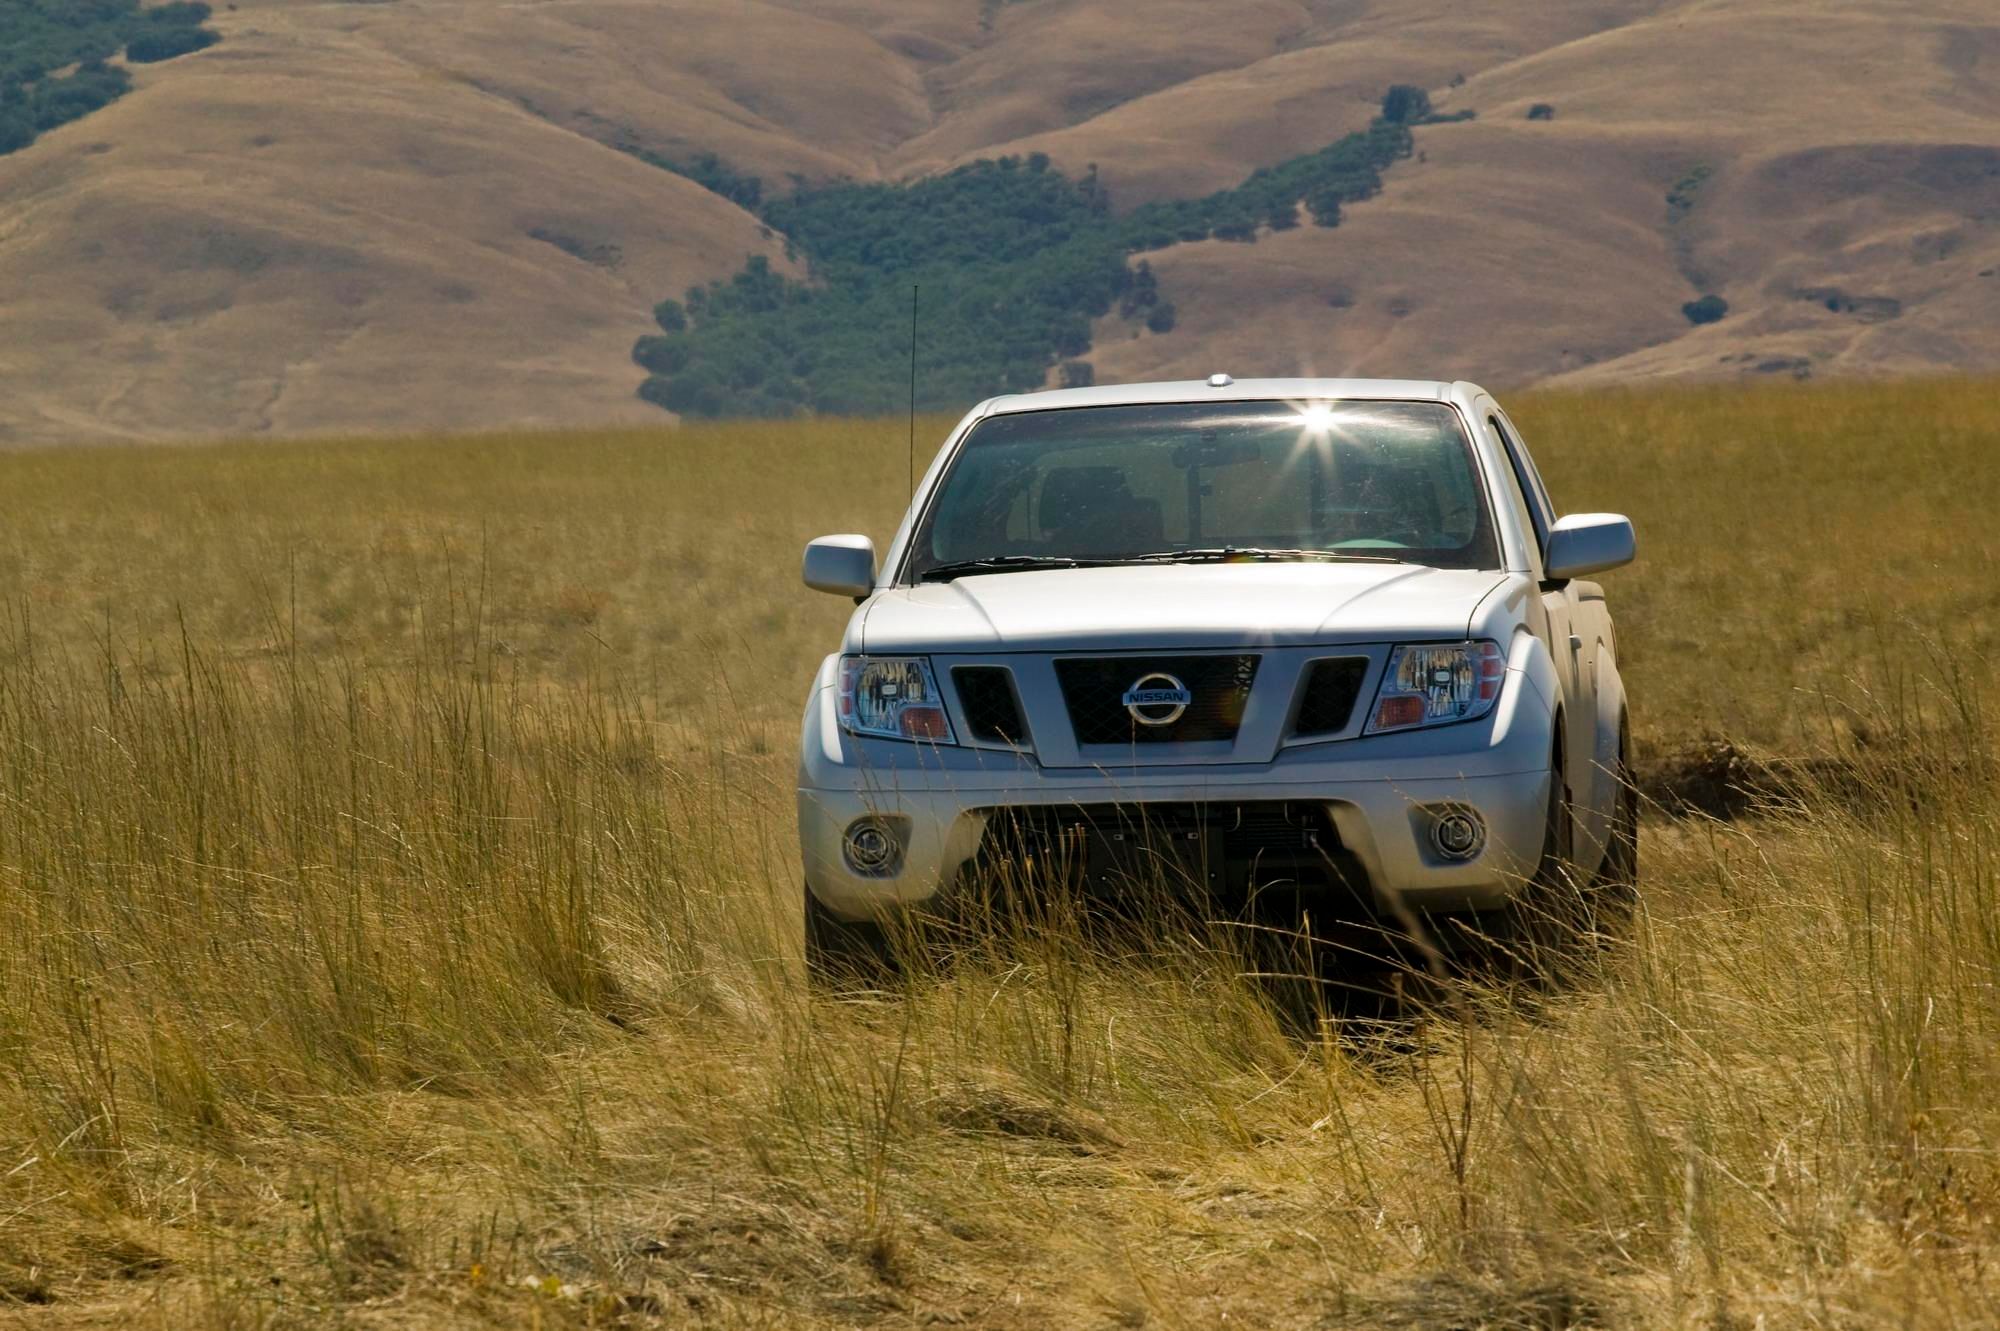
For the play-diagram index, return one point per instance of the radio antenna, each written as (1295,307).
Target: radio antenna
(913,390)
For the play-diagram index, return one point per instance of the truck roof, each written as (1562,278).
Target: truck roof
(1232,390)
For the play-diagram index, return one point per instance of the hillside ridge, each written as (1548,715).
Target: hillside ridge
(442,214)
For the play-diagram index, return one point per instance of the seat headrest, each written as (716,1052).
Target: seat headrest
(1069,492)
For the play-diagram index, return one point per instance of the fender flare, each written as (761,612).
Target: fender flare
(1531,658)
(818,728)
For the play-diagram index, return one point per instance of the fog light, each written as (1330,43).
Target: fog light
(871,847)
(1457,834)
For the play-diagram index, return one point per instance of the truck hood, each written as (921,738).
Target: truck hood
(1172,605)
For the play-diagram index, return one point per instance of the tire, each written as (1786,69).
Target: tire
(1564,919)
(843,955)
(1535,936)
(1556,869)
(1617,882)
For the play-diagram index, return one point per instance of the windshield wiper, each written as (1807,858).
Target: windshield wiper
(1004,564)
(1220,554)
(1217,554)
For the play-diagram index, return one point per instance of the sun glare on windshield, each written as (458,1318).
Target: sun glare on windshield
(1317,417)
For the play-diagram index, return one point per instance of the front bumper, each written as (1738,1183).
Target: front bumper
(1379,793)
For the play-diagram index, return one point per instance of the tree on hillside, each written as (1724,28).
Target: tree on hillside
(1142,293)
(168,42)
(1707,310)
(1405,104)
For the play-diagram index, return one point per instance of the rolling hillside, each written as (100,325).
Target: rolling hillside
(429,214)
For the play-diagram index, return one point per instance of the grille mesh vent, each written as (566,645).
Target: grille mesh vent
(986,696)
(1327,700)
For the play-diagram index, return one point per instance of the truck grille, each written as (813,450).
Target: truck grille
(986,696)
(1094,690)
(1326,703)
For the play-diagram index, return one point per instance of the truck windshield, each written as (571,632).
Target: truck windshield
(1100,485)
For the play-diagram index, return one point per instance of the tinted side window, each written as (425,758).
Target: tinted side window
(1530,483)
(1534,473)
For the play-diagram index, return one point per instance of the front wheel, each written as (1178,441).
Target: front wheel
(1618,878)
(1535,935)
(1565,917)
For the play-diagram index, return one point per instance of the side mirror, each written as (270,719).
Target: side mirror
(843,565)
(1585,543)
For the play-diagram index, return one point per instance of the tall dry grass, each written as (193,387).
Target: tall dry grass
(395,844)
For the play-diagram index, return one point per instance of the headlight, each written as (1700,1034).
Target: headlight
(1435,684)
(892,696)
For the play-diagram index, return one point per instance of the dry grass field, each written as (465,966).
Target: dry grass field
(395,851)
(414,216)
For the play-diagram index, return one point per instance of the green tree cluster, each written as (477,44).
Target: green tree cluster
(1346,171)
(40,38)
(1010,262)
(165,41)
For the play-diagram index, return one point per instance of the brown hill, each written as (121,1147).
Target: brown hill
(416,214)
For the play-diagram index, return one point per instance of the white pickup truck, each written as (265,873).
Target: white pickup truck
(1323,638)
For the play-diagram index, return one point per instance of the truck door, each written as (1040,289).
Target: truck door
(1568,630)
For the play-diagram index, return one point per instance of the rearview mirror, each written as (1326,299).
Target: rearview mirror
(843,565)
(1585,543)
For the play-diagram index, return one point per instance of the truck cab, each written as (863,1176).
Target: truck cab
(1324,639)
